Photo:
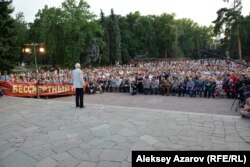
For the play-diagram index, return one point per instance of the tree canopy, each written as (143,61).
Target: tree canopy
(72,33)
(8,37)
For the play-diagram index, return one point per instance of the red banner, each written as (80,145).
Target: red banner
(30,89)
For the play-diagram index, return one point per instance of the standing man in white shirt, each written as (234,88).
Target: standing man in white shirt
(78,83)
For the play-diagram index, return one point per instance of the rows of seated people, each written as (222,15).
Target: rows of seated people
(221,86)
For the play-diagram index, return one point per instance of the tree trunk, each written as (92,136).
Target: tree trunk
(239,44)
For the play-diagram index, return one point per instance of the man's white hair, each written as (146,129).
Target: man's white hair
(77,65)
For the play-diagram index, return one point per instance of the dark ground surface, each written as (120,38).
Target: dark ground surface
(200,105)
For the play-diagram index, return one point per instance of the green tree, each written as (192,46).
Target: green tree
(191,37)
(106,49)
(67,32)
(130,37)
(48,28)
(72,34)
(95,38)
(21,30)
(245,37)
(8,37)
(228,22)
(76,30)
(114,38)
(161,36)
(166,33)
(145,33)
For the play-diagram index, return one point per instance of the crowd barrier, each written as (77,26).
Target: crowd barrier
(33,89)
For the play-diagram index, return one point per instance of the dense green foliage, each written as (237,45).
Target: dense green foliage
(229,22)
(245,37)
(73,34)
(8,37)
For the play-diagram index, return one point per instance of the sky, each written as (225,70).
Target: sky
(201,11)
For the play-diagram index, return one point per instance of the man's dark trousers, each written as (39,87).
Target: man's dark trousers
(79,97)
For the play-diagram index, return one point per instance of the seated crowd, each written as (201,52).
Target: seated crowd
(214,78)
(43,77)
(194,78)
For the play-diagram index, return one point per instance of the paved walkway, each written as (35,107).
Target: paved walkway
(199,105)
(46,133)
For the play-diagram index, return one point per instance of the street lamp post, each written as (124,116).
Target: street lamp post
(34,51)
(27,49)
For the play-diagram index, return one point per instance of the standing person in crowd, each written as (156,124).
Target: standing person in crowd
(190,87)
(140,83)
(1,76)
(162,86)
(207,87)
(225,85)
(78,83)
(199,86)
(213,86)
(146,85)
(155,86)
(218,88)
(174,86)
(1,91)
(167,85)
(133,87)
(182,88)
(4,76)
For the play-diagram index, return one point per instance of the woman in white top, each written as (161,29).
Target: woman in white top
(218,88)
